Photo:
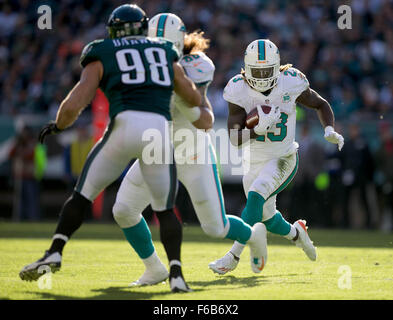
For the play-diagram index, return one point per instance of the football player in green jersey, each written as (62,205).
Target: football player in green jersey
(138,75)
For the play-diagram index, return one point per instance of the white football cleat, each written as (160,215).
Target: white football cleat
(303,241)
(258,247)
(225,264)
(152,276)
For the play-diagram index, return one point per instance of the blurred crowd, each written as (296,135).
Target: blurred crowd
(351,188)
(351,68)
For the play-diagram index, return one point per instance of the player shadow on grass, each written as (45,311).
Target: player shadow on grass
(134,293)
(243,282)
(230,280)
(114,293)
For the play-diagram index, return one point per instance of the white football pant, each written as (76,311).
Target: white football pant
(268,178)
(128,136)
(201,181)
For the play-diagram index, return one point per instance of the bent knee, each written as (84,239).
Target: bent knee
(262,187)
(124,215)
(214,231)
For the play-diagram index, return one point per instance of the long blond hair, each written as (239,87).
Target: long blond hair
(285,67)
(195,42)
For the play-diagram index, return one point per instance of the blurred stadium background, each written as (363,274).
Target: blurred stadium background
(352,69)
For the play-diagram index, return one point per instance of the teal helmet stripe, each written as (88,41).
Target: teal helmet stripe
(161,25)
(261,50)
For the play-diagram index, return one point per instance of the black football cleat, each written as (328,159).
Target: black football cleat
(50,262)
(176,280)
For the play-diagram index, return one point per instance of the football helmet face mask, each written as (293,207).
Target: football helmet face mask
(262,64)
(168,26)
(127,20)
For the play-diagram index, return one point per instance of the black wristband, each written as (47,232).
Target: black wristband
(56,129)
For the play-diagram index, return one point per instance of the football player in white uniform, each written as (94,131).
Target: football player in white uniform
(198,174)
(273,158)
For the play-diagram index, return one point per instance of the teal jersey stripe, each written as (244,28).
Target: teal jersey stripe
(261,50)
(161,25)
(218,185)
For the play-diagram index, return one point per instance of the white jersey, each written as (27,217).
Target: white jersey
(280,140)
(200,69)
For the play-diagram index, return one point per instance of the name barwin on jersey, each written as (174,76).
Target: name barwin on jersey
(132,41)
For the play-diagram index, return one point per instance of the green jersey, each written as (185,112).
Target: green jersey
(138,72)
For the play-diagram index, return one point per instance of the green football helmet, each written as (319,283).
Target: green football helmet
(127,20)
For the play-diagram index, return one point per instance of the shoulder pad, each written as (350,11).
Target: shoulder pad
(295,82)
(89,53)
(234,89)
(199,67)
(172,47)
(167,44)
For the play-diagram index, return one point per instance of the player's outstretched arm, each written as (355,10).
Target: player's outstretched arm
(311,99)
(80,96)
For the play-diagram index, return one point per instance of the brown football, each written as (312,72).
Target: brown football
(253,118)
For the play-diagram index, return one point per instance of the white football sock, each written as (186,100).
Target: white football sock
(174,263)
(237,249)
(60,236)
(152,260)
(291,234)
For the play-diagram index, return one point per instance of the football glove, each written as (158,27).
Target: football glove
(48,129)
(333,137)
(266,121)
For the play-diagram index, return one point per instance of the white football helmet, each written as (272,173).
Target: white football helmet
(262,64)
(168,26)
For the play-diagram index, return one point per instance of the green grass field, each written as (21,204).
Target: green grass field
(99,264)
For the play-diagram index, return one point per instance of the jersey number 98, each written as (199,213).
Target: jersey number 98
(134,72)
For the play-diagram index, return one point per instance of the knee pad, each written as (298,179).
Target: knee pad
(216,231)
(262,186)
(209,214)
(88,191)
(199,190)
(134,176)
(124,215)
